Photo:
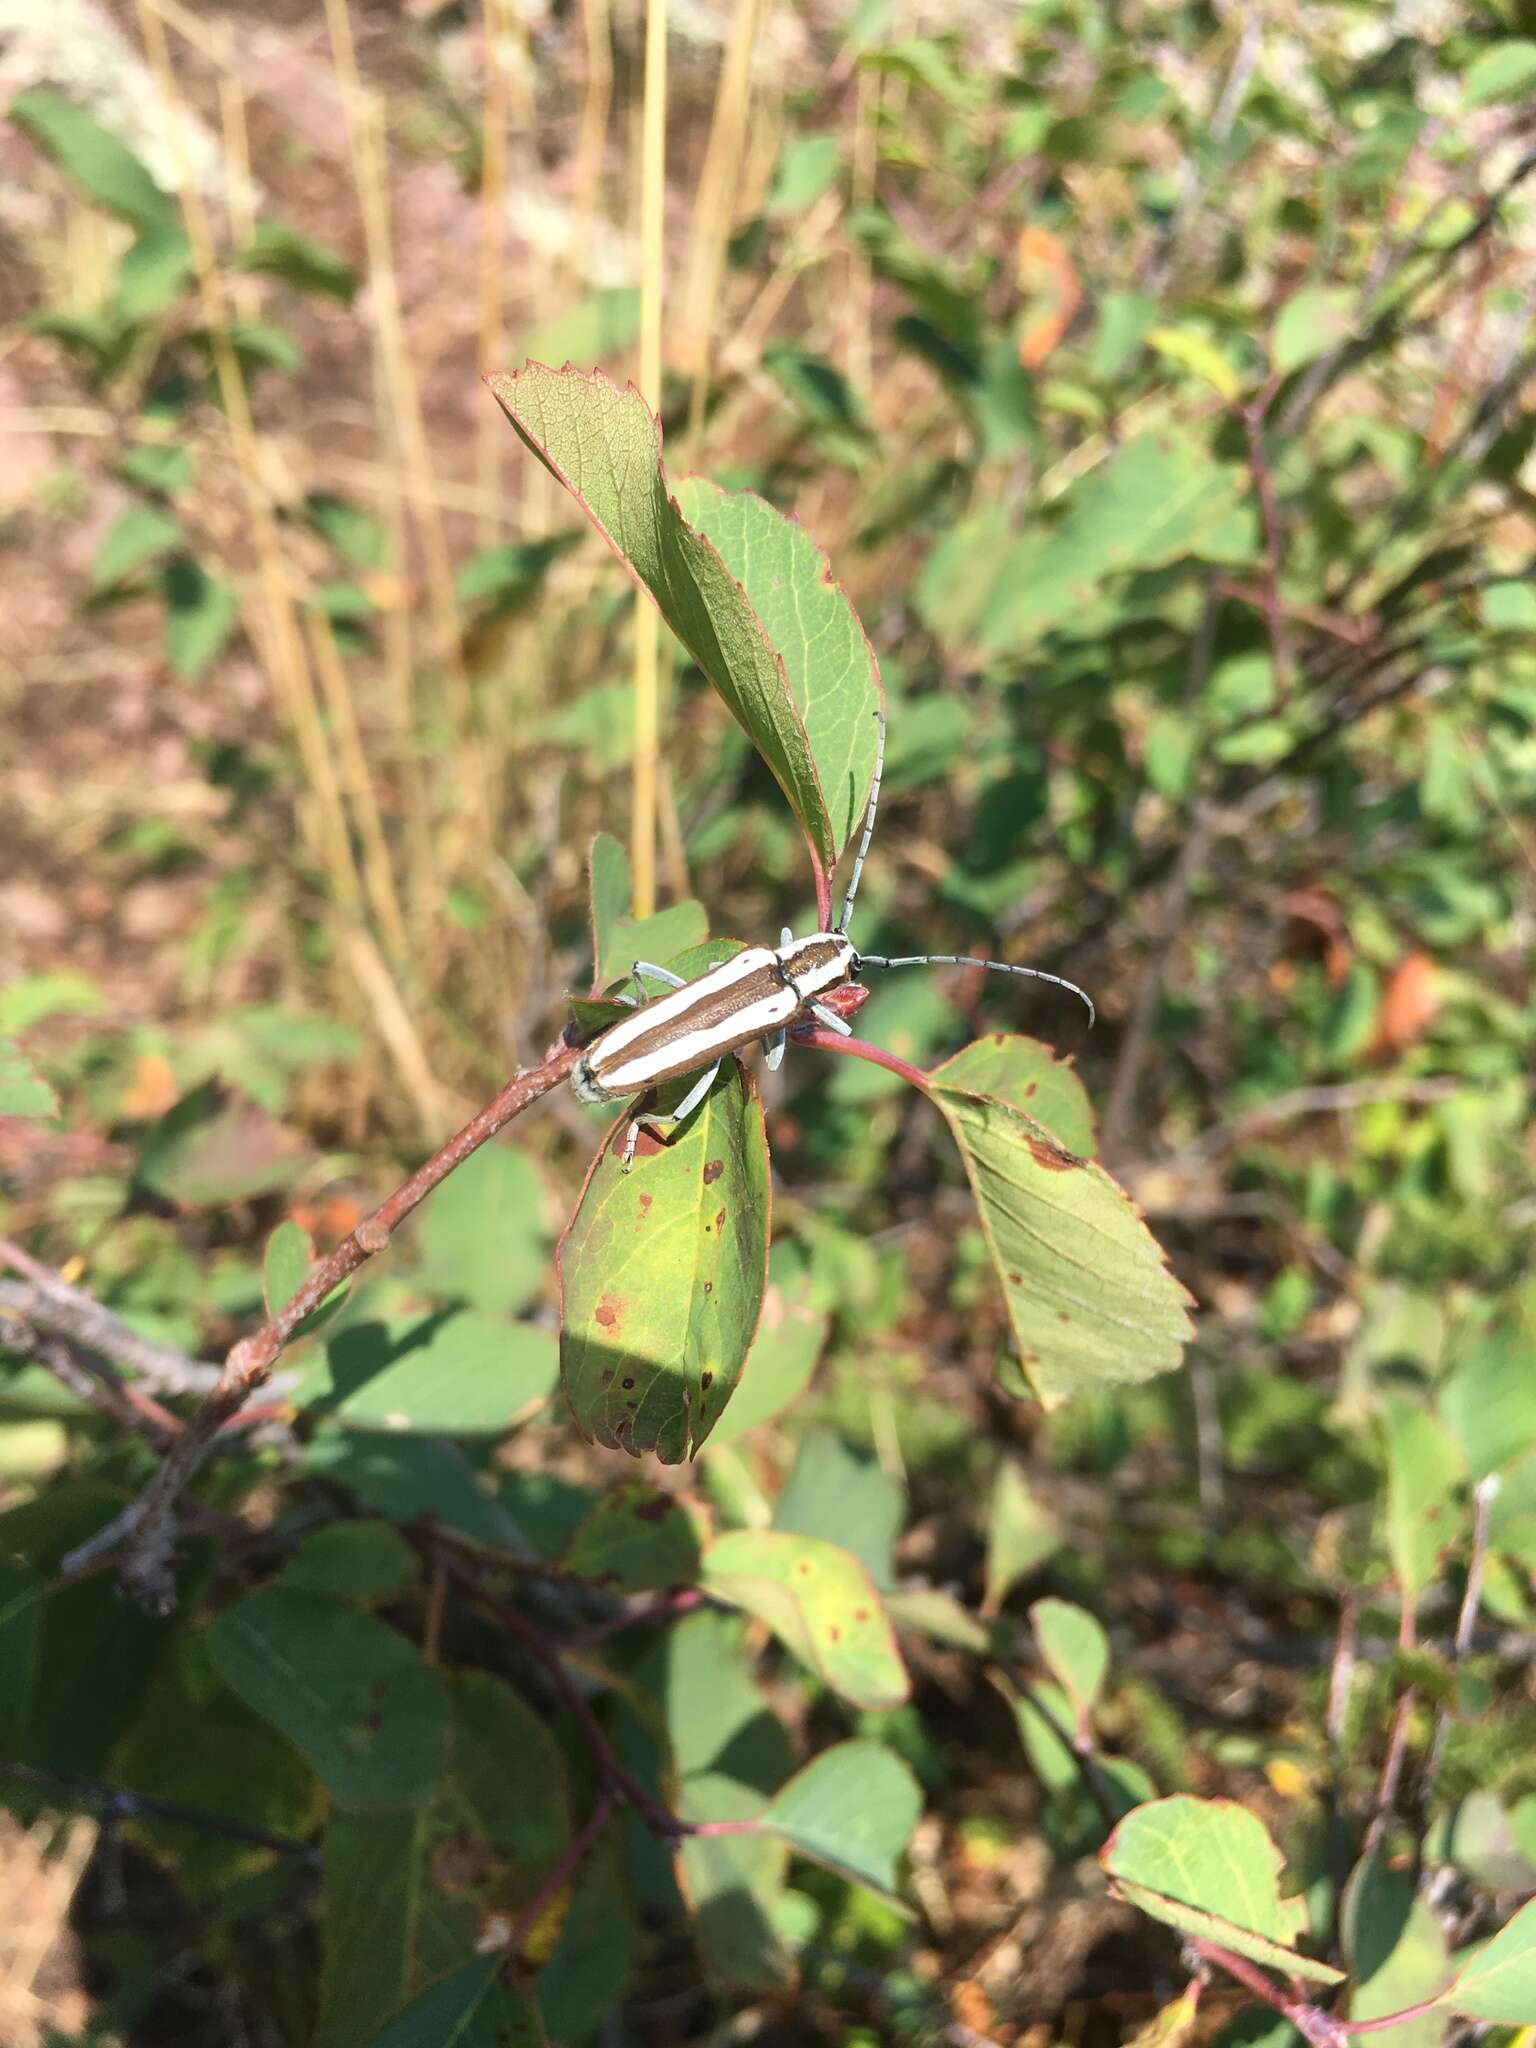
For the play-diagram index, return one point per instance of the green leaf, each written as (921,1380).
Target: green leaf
(1209,1867)
(178,1748)
(161,466)
(1196,352)
(1498,1982)
(37,997)
(23,1091)
(1075,1650)
(1423,1518)
(139,535)
(285,1263)
(1021,1535)
(407,1477)
(791,1335)
(612,897)
(660,938)
(300,260)
(821,1603)
(470,2008)
(1489,1402)
(1396,1951)
(1160,499)
(604,445)
(593,331)
(370,1902)
(153,273)
(351,531)
(1504,71)
(1028,1075)
(852,1808)
(662,1274)
(104,168)
(352,1561)
(1310,323)
(214,1147)
(353,1695)
(201,613)
(809,620)
(842,1496)
(807,166)
(483,1236)
(636,1539)
(1091,1300)
(504,578)
(1124,318)
(262,345)
(470,1373)
(505,1788)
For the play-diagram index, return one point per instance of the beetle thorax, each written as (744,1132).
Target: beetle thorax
(817,963)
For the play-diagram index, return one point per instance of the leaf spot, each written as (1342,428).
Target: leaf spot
(609,1311)
(656,1509)
(1052,1158)
(713,1171)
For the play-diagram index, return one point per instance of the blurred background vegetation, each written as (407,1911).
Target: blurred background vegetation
(1158,381)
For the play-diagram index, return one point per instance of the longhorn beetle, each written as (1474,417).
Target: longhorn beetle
(760,993)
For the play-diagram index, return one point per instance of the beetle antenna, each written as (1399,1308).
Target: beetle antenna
(869,824)
(993,966)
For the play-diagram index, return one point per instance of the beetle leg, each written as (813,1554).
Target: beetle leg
(773,1051)
(831,1019)
(662,974)
(660,1120)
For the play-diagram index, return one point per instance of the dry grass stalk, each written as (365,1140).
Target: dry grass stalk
(653,177)
(287,661)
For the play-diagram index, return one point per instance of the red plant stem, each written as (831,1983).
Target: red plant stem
(1269,512)
(144,1527)
(860,1049)
(1310,2021)
(664,1825)
(575,1853)
(665,1607)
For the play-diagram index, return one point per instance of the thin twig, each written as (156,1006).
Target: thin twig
(114,1803)
(53,1305)
(89,1380)
(617,1780)
(1274,546)
(145,1528)
(1483,1496)
(575,1853)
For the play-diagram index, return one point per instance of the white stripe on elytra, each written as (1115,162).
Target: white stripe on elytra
(677,1005)
(691,1049)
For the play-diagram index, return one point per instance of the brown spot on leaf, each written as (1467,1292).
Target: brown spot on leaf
(834,1633)
(607,1375)
(627,1383)
(706,1381)
(803,1568)
(377,1688)
(656,1509)
(719,1219)
(709,1286)
(713,1171)
(1062,1316)
(645,1203)
(1052,1157)
(373,1722)
(1017,1279)
(610,1311)
(1032,1089)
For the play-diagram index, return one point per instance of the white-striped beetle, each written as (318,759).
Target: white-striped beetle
(760,993)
